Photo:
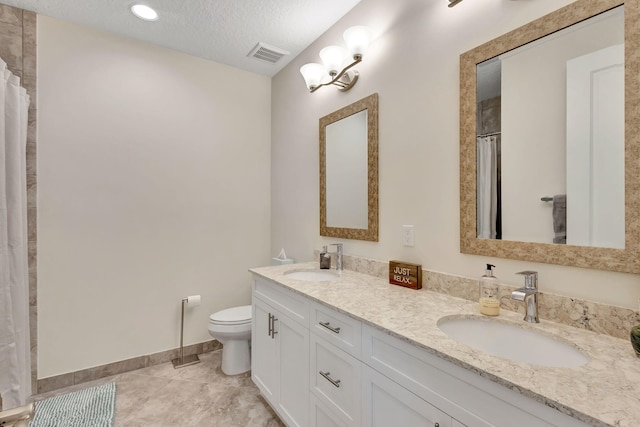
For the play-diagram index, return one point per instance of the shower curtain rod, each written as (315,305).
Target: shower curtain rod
(488,134)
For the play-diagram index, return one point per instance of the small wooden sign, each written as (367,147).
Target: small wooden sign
(405,274)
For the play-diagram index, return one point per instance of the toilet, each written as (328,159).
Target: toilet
(232,327)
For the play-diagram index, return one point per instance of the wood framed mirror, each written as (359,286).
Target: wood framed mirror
(349,171)
(621,255)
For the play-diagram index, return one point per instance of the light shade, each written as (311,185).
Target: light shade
(144,12)
(333,58)
(357,39)
(313,74)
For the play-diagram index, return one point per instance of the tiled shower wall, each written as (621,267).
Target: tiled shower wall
(18,50)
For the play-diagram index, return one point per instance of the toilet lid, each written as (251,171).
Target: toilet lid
(232,316)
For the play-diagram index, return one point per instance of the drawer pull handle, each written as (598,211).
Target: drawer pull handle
(274,319)
(270,324)
(326,375)
(329,327)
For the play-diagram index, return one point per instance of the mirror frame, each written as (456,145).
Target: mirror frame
(623,260)
(370,103)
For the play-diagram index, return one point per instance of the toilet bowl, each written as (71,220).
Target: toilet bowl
(232,327)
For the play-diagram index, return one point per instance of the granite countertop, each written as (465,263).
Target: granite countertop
(604,392)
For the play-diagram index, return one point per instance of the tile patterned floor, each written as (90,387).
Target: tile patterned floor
(196,395)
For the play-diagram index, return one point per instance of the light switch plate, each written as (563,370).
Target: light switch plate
(407,235)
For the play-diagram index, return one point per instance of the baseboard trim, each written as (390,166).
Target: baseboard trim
(78,377)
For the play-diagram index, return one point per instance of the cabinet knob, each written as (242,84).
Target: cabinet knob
(436,425)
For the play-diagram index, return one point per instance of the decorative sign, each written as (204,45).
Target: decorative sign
(405,274)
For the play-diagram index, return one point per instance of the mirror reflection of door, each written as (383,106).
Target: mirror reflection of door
(550,138)
(595,154)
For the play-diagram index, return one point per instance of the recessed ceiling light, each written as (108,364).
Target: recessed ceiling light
(144,12)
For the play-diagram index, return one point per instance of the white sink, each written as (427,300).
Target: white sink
(510,341)
(313,275)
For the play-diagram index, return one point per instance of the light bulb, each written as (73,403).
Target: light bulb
(333,58)
(144,12)
(313,74)
(357,39)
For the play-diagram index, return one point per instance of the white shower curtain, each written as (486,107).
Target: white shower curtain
(15,360)
(487,186)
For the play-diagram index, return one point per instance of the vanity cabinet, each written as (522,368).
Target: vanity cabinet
(280,356)
(335,372)
(467,397)
(386,403)
(319,367)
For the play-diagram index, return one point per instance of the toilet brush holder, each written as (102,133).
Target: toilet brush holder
(191,359)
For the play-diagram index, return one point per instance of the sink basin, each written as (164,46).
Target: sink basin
(511,341)
(313,275)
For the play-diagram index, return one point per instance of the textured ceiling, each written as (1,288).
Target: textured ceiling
(223,31)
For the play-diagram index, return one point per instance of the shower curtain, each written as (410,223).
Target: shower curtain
(487,186)
(15,360)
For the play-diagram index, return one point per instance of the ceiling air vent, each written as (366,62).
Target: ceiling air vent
(267,53)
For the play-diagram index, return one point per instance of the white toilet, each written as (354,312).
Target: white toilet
(232,327)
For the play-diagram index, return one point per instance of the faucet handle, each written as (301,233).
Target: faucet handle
(530,279)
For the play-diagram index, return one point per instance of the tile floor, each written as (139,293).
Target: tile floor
(196,395)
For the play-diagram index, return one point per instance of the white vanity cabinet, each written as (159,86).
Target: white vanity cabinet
(386,403)
(468,398)
(280,351)
(336,371)
(320,367)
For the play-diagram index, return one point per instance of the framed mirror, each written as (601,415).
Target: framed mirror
(349,171)
(549,141)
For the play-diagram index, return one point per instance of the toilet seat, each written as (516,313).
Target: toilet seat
(232,316)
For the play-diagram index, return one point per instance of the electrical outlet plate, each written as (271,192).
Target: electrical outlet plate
(408,238)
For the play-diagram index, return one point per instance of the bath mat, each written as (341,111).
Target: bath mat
(91,407)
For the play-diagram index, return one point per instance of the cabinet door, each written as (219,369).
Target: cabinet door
(385,403)
(264,352)
(293,343)
(321,416)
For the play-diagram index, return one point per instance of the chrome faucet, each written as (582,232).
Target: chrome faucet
(528,294)
(338,253)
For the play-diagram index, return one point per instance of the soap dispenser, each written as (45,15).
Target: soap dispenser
(489,302)
(325,259)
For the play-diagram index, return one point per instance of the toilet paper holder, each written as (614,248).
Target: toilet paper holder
(190,359)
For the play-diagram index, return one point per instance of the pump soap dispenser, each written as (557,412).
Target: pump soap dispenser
(489,302)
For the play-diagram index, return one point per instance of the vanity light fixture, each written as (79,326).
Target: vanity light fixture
(144,12)
(334,59)
(454,2)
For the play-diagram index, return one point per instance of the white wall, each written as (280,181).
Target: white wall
(414,66)
(153,185)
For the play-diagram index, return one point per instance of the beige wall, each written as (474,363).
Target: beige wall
(413,65)
(154,185)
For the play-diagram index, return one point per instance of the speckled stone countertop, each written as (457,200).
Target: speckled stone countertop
(604,392)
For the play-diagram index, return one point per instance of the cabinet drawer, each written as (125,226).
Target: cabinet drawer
(337,328)
(284,300)
(335,380)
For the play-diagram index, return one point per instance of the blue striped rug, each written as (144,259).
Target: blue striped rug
(91,407)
